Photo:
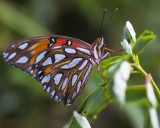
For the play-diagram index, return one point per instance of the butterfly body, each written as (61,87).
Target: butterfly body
(61,64)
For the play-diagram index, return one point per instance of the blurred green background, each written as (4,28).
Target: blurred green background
(23,103)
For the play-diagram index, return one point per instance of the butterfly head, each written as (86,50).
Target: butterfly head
(97,49)
(100,42)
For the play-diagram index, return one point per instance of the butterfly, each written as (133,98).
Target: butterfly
(61,64)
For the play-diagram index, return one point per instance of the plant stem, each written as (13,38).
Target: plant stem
(156,90)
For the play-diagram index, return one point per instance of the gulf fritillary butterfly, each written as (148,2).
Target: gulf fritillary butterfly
(61,64)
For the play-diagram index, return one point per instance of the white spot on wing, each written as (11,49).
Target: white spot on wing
(53,40)
(84,50)
(13,46)
(74,94)
(52,93)
(56,47)
(23,46)
(48,61)
(11,56)
(83,65)
(56,98)
(64,83)
(39,72)
(72,64)
(78,86)
(48,89)
(69,42)
(70,50)
(57,78)
(5,54)
(22,60)
(59,57)
(87,73)
(31,72)
(74,78)
(34,75)
(40,77)
(29,68)
(44,87)
(40,56)
(68,101)
(46,79)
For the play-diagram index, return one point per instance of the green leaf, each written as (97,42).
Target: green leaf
(93,105)
(101,97)
(113,68)
(96,102)
(74,124)
(135,93)
(144,40)
(111,61)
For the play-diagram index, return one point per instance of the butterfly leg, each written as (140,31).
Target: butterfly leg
(98,70)
(108,53)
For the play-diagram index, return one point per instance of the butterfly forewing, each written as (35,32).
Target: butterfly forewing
(61,64)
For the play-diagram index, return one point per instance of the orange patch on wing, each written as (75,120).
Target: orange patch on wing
(48,70)
(37,48)
(32,61)
(35,71)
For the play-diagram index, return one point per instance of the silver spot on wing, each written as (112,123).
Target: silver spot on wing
(57,78)
(23,46)
(72,64)
(64,83)
(22,60)
(59,57)
(40,56)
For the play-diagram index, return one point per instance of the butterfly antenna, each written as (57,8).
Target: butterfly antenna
(100,32)
(105,28)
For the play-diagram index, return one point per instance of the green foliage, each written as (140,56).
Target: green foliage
(81,19)
(27,27)
(135,93)
(117,70)
(144,40)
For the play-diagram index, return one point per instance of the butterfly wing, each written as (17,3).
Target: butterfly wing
(61,64)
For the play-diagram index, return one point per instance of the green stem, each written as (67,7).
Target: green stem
(156,90)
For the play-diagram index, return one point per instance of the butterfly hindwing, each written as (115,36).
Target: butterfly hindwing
(61,64)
